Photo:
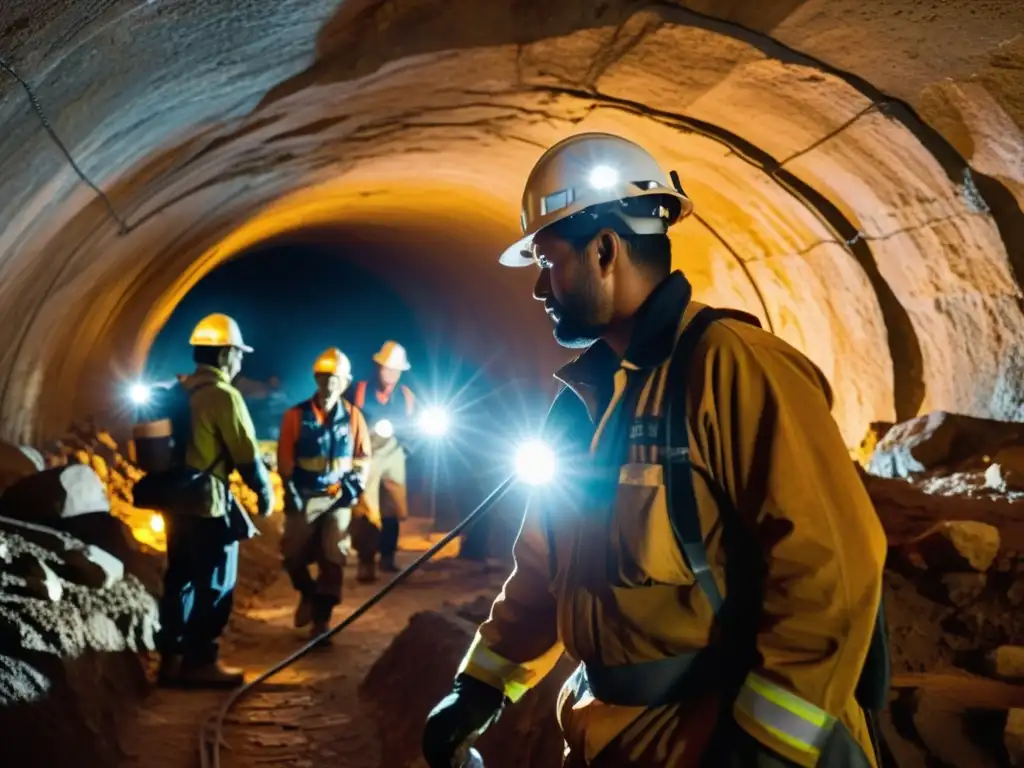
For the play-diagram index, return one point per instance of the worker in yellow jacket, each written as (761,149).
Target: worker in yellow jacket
(718,582)
(202,537)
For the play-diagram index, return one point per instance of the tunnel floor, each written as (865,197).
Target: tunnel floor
(310,715)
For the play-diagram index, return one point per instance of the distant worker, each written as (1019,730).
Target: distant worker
(202,537)
(712,560)
(322,455)
(389,409)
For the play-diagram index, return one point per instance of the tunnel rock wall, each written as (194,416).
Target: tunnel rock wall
(828,207)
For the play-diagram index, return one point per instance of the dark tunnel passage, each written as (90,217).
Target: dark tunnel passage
(835,200)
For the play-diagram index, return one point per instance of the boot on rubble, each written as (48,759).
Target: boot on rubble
(304,612)
(211,674)
(366,573)
(387,564)
(169,674)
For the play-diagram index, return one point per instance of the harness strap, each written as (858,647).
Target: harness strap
(653,683)
(644,684)
(682,500)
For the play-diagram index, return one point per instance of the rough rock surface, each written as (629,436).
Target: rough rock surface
(1014,737)
(72,625)
(1007,662)
(853,227)
(958,545)
(56,494)
(15,463)
(526,734)
(941,440)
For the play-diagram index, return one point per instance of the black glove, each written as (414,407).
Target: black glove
(351,489)
(464,713)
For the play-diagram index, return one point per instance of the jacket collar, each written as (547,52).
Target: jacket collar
(207,373)
(654,334)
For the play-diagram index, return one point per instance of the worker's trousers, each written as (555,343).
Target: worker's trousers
(199,585)
(383,504)
(315,535)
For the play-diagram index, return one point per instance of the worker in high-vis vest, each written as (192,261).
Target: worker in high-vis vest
(323,456)
(389,408)
(711,560)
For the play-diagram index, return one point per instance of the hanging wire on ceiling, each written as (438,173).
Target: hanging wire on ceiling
(122,225)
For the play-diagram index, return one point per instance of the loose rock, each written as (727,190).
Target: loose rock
(92,567)
(1007,662)
(959,545)
(939,439)
(1013,738)
(963,588)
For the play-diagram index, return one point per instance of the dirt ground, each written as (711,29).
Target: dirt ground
(309,715)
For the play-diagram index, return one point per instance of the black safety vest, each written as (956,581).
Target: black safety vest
(323,451)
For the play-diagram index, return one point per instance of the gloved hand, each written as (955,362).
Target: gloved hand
(464,713)
(351,489)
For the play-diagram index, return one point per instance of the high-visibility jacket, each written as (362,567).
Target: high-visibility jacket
(316,449)
(377,405)
(222,435)
(610,586)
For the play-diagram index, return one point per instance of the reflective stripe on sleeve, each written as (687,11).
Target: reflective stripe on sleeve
(792,720)
(488,667)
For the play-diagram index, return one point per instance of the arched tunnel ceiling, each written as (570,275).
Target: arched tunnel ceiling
(885,242)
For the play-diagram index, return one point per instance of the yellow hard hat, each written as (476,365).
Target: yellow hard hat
(333,361)
(392,355)
(592,169)
(218,330)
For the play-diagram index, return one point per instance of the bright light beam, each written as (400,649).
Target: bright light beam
(139,394)
(434,421)
(603,177)
(384,428)
(535,463)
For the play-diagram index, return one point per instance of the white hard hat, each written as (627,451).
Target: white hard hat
(593,169)
(392,355)
(218,330)
(333,361)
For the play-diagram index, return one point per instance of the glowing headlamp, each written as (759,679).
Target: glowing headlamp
(434,421)
(603,177)
(139,393)
(535,462)
(384,428)
(156,523)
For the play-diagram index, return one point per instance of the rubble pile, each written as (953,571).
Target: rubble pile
(72,623)
(80,572)
(97,449)
(949,490)
(527,733)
